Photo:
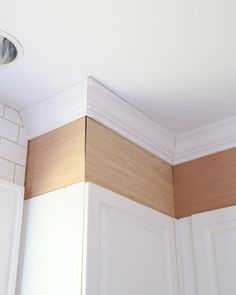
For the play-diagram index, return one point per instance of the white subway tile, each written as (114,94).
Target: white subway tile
(1,109)
(6,170)
(23,138)
(9,130)
(12,115)
(20,175)
(13,152)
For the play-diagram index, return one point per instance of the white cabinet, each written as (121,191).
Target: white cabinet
(214,235)
(207,253)
(130,248)
(88,238)
(11,204)
(51,243)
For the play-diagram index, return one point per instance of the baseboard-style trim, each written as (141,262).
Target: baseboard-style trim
(90,98)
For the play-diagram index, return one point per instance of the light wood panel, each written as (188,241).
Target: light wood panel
(123,167)
(205,184)
(56,159)
(86,150)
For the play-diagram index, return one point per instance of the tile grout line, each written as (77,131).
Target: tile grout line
(12,162)
(17,127)
(11,122)
(15,142)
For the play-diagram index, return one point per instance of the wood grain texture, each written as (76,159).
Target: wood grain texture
(56,159)
(123,167)
(89,151)
(205,184)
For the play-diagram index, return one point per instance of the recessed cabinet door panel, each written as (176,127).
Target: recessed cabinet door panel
(215,251)
(130,248)
(11,203)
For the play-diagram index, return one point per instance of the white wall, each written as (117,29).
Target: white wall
(13,146)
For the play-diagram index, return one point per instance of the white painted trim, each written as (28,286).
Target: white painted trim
(56,111)
(91,98)
(207,140)
(113,112)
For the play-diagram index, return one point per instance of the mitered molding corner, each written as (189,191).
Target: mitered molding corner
(90,98)
(109,109)
(94,100)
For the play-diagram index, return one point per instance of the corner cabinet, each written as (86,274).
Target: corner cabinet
(87,240)
(207,253)
(130,249)
(11,204)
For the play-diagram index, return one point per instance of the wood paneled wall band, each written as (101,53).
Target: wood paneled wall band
(116,163)
(56,159)
(205,184)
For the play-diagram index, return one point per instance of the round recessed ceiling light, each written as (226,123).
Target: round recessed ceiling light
(10,49)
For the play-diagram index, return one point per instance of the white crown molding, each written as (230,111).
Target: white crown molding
(204,141)
(63,108)
(94,100)
(112,111)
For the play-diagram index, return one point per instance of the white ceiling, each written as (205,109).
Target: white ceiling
(173,60)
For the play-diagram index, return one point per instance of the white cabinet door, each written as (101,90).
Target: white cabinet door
(129,249)
(214,236)
(11,203)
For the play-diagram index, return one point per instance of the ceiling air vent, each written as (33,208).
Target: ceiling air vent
(10,48)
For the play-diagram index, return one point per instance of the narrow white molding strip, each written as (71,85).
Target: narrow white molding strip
(207,140)
(56,111)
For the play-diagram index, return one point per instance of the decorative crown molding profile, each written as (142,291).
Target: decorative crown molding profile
(206,140)
(91,98)
(109,109)
(63,108)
